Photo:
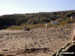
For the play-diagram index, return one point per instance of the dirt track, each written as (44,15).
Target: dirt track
(22,43)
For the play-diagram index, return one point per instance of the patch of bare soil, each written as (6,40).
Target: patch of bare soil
(36,42)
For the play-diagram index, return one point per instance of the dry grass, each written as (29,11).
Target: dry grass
(67,22)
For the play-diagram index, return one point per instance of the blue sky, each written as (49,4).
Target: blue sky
(33,6)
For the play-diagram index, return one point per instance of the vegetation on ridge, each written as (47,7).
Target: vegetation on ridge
(18,21)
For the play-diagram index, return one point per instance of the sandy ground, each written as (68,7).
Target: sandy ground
(36,42)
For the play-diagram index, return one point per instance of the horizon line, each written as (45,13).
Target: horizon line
(38,12)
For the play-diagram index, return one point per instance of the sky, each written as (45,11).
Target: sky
(34,6)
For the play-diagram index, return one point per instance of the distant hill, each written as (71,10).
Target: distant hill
(33,18)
